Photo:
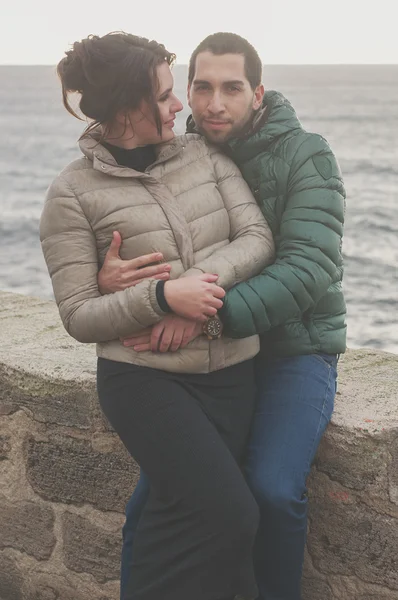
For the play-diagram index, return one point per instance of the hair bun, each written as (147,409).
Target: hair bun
(71,70)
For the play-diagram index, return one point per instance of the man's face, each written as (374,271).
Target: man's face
(220,96)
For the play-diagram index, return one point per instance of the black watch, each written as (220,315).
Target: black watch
(213,328)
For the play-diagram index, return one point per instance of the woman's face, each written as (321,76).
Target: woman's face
(142,120)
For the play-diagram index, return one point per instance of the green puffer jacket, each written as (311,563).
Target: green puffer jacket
(296,303)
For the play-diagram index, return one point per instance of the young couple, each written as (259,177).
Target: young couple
(207,268)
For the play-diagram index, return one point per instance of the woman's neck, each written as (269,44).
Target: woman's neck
(118,136)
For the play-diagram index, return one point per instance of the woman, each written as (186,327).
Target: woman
(183,416)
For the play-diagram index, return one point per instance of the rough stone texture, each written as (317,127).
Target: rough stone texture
(21,578)
(34,342)
(5,446)
(352,588)
(27,527)
(57,456)
(393,469)
(351,539)
(64,403)
(11,579)
(68,470)
(316,588)
(353,487)
(91,549)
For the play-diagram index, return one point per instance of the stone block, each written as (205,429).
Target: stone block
(353,460)
(393,470)
(5,446)
(49,401)
(68,470)
(11,580)
(351,539)
(90,549)
(315,589)
(27,527)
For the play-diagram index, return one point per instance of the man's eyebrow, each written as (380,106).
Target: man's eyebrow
(232,82)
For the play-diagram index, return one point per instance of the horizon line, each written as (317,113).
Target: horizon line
(327,64)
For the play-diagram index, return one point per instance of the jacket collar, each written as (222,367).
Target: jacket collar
(103,160)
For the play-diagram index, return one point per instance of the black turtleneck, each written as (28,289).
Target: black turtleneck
(136,158)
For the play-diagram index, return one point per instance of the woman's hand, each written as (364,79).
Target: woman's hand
(117,274)
(171,334)
(196,297)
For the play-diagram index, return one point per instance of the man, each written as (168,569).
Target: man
(296,304)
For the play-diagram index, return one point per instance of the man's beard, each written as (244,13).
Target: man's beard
(238,130)
(215,139)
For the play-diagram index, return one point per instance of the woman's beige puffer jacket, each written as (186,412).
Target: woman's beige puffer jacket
(191,204)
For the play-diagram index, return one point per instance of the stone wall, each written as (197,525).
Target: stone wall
(65,477)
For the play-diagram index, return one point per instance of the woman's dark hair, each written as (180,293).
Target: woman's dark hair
(112,73)
(230,43)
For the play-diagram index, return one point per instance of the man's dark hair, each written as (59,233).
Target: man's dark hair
(230,43)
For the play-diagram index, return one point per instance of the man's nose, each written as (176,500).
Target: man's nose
(216,104)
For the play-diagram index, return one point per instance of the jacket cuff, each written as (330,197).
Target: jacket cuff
(157,309)
(222,313)
(161,298)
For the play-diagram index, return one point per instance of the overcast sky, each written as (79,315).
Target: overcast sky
(283,31)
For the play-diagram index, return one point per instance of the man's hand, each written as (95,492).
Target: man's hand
(171,334)
(118,274)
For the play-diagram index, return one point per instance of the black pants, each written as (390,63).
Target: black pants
(188,433)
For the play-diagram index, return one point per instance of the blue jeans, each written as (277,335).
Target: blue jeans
(294,405)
